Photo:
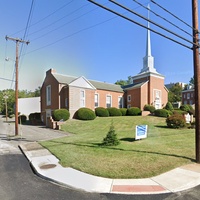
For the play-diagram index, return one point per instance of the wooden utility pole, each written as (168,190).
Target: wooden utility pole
(17,40)
(196,76)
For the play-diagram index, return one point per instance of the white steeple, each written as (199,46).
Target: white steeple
(148,60)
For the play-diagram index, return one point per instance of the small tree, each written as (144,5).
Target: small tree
(111,138)
(169,106)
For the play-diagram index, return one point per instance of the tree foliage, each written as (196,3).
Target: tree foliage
(9,97)
(174,94)
(124,82)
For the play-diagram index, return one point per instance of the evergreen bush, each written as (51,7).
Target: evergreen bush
(185,107)
(85,114)
(61,114)
(169,106)
(149,108)
(114,111)
(101,112)
(133,111)
(123,111)
(162,113)
(111,138)
(176,121)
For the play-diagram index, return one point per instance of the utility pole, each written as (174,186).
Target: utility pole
(17,40)
(196,76)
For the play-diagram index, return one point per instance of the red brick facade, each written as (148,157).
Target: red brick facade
(72,93)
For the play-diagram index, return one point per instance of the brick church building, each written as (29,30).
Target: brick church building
(63,91)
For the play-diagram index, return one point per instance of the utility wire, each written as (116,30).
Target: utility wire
(163,18)
(63,6)
(172,14)
(137,14)
(60,20)
(64,24)
(135,22)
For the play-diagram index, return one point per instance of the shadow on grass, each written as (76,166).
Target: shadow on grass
(128,139)
(161,126)
(99,145)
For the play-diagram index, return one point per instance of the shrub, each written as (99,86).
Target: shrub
(169,106)
(179,111)
(101,112)
(61,114)
(114,111)
(85,114)
(133,111)
(176,121)
(111,138)
(22,119)
(123,111)
(162,113)
(185,107)
(149,108)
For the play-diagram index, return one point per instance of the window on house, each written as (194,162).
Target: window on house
(184,96)
(108,101)
(192,95)
(129,98)
(82,98)
(129,105)
(120,103)
(96,100)
(191,102)
(48,95)
(188,95)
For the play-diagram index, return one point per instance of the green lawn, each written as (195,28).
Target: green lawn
(163,150)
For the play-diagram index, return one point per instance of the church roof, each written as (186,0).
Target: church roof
(133,86)
(65,79)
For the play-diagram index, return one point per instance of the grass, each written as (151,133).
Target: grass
(163,150)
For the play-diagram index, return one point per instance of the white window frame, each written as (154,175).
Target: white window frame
(96,100)
(129,98)
(129,106)
(48,95)
(82,98)
(120,102)
(188,95)
(108,97)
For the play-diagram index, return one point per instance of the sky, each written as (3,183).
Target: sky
(78,38)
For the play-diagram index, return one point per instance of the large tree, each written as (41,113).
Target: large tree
(174,94)
(124,82)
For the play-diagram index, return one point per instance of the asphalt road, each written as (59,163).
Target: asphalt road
(18,181)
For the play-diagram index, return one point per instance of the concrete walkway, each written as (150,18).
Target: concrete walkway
(47,166)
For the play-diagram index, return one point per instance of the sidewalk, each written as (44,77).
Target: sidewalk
(47,166)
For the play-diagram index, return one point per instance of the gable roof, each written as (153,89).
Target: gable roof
(64,79)
(134,85)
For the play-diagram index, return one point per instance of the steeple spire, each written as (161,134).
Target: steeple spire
(148,60)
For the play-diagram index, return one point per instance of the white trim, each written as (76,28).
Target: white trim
(48,95)
(82,98)
(96,94)
(108,95)
(128,99)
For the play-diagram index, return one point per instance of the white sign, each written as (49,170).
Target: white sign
(141,132)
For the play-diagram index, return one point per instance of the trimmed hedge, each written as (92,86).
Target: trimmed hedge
(133,111)
(149,108)
(186,107)
(101,112)
(61,114)
(114,112)
(162,113)
(85,114)
(176,121)
(123,111)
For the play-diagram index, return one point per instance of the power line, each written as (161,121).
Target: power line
(63,6)
(137,14)
(135,22)
(163,18)
(172,14)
